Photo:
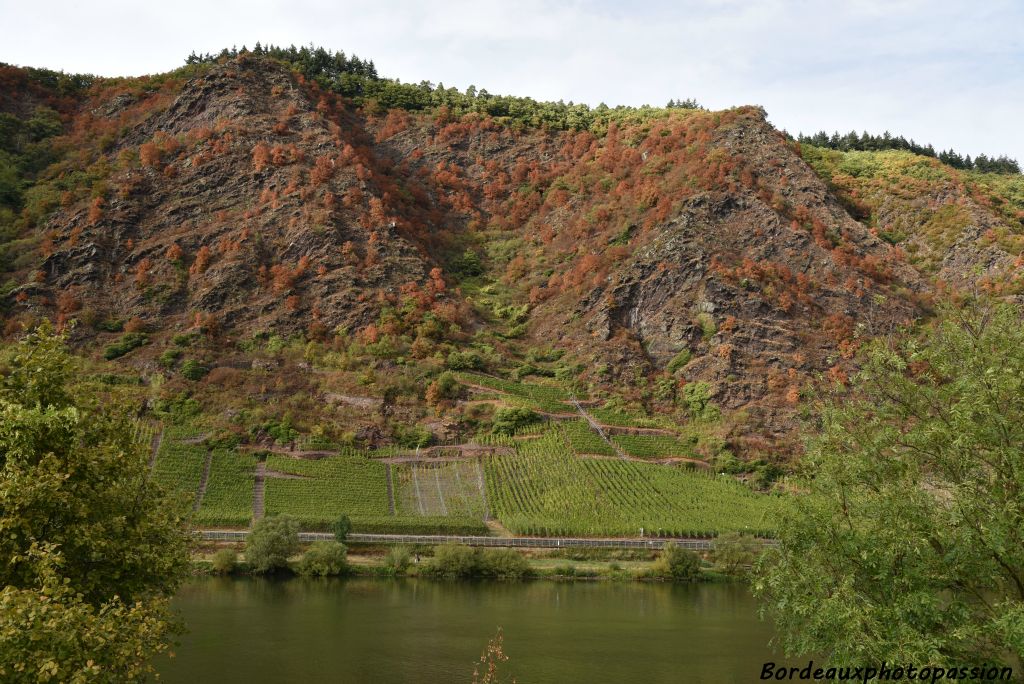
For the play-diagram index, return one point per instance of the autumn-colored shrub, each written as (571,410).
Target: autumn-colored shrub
(202,261)
(149,154)
(95,211)
(142,271)
(135,325)
(260,156)
(323,170)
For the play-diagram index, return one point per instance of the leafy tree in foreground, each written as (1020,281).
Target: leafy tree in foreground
(90,553)
(908,543)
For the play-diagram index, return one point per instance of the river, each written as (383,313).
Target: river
(252,631)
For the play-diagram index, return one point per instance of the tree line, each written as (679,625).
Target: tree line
(867,142)
(358,79)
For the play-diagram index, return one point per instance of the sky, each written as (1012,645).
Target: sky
(945,72)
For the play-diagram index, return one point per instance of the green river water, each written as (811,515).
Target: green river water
(377,631)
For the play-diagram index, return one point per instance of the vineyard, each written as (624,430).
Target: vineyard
(179,465)
(144,431)
(228,498)
(547,398)
(326,488)
(546,490)
(583,440)
(653,446)
(542,488)
(441,489)
(607,416)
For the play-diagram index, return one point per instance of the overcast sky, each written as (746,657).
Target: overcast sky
(949,73)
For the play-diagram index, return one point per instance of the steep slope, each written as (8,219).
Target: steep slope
(673,258)
(239,202)
(963,229)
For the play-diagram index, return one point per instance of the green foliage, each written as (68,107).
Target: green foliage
(439,489)
(503,564)
(736,553)
(907,542)
(508,420)
(228,498)
(282,431)
(128,342)
(169,357)
(342,526)
(330,487)
(467,265)
(91,549)
(866,142)
(678,564)
(358,79)
(707,325)
(49,632)
(464,360)
(411,436)
(224,561)
(453,561)
(193,370)
(697,397)
(653,446)
(26,149)
(179,465)
(397,559)
(271,542)
(583,440)
(110,325)
(542,397)
(388,524)
(446,386)
(679,361)
(324,559)
(545,489)
(178,408)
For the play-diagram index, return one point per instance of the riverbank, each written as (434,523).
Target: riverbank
(368,560)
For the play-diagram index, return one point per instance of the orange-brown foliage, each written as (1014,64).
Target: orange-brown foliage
(260,156)
(201,262)
(142,271)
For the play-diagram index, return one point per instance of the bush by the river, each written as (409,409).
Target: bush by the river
(324,559)
(397,560)
(460,561)
(677,564)
(271,542)
(224,561)
(736,553)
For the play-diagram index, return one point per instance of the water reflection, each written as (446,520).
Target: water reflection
(365,630)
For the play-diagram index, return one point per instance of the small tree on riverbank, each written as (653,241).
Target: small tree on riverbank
(678,563)
(736,553)
(272,541)
(324,559)
(342,526)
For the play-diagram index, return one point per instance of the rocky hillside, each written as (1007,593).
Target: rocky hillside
(658,261)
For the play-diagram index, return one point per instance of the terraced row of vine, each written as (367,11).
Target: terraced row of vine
(546,490)
(546,398)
